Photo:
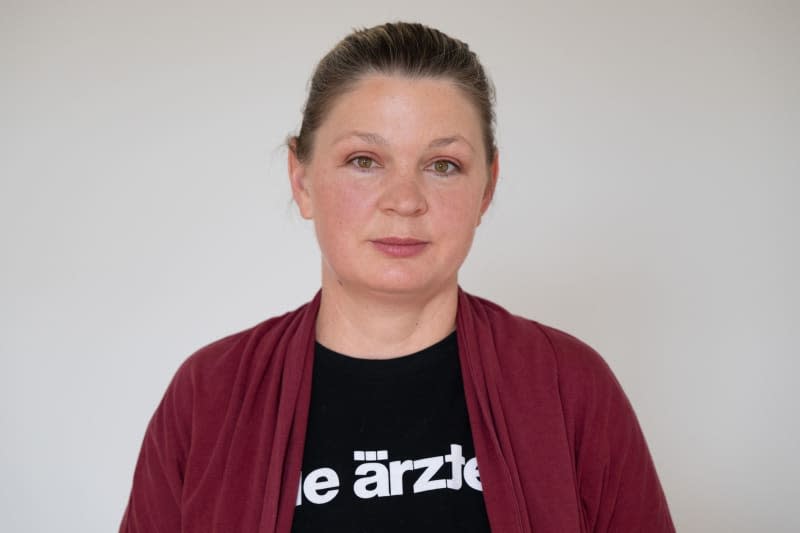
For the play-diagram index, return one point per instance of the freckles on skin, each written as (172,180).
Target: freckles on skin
(403,126)
(395,101)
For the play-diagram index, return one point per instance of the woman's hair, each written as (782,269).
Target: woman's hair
(401,48)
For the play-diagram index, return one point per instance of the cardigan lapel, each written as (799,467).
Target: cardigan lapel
(296,348)
(478,352)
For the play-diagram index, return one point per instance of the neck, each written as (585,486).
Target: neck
(382,326)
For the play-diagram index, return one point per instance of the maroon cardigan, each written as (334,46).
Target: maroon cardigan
(558,444)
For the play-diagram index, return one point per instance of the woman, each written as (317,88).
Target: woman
(394,401)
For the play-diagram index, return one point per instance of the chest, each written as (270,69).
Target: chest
(389,448)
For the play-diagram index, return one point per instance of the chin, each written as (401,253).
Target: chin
(410,285)
(391,280)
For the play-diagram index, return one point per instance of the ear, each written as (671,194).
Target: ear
(299,183)
(488,192)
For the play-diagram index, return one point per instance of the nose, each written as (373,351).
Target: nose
(403,195)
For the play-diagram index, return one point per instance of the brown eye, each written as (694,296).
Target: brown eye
(364,162)
(443,167)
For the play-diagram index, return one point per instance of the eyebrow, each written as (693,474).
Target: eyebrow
(370,138)
(374,138)
(444,141)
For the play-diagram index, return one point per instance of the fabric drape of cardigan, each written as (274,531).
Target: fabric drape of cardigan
(558,445)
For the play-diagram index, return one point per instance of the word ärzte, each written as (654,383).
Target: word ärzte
(378,477)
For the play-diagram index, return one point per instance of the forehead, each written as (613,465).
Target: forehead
(403,110)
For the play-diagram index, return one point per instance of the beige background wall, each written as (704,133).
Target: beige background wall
(648,204)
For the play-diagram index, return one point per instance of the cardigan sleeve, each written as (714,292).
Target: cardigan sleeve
(617,483)
(154,505)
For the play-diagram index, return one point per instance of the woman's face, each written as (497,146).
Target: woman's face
(396,185)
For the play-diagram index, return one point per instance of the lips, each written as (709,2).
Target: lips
(399,246)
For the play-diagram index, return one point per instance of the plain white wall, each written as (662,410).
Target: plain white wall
(647,204)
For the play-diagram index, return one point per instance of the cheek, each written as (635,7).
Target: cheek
(339,210)
(352,200)
(460,214)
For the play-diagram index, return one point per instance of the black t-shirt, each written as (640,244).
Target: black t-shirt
(389,447)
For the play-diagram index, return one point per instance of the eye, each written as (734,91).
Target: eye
(363,162)
(444,167)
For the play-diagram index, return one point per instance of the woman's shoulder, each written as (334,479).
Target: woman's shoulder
(527,341)
(218,364)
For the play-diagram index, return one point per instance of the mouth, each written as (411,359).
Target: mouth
(399,246)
